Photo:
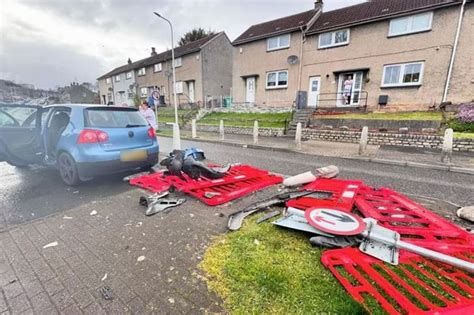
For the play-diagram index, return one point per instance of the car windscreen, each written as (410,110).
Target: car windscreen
(114,118)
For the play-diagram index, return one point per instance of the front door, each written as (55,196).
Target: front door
(250,96)
(350,88)
(191,91)
(20,134)
(313,91)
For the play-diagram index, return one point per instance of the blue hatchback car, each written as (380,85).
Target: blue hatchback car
(81,140)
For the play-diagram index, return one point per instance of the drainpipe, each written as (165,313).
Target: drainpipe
(301,58)
(453,54)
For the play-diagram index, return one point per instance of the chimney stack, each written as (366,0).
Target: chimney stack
(129,61)
(153,51)
(318,5)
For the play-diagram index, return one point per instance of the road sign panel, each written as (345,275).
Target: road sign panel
(334,221)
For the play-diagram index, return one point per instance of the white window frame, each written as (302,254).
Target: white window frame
(276,86)
(144,94)
(108,80)
(128,75)
(141,71)
(400,82)
(333,39)
(178,62)
(157,67)
(409,20)
(179,87)
(117,78)
(279,46)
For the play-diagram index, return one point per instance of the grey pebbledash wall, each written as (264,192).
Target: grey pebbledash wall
(378,138)
(264,132)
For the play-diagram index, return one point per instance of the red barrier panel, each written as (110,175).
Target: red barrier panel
(342,198)
(415,223)
(241,180)
(416,286)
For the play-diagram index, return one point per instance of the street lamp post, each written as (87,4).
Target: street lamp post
(178,144)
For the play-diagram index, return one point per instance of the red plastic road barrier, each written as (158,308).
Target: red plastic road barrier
(415,223)
(241,180)
(416,286)
(342,198)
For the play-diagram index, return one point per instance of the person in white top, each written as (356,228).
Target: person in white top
(348,89)
(148,114)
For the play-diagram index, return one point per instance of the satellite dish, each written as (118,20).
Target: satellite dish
(293,60)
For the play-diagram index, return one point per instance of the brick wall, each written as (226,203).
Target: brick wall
(405,140)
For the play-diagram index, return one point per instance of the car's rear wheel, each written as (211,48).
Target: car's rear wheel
(68,169)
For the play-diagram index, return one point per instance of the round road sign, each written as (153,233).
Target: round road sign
(334,221)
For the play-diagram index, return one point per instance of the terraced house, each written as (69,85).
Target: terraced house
(203,70)
(394,54)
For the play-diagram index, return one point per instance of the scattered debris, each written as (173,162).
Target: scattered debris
(52,244)
(211,194)
(236,218)
(67,218)
(161,205)
(146,200)
(256,242)
(466,213)
(141,258)
(93,212)
(329,171)
(104,277)
(268,216)
(171,300)
(107,293)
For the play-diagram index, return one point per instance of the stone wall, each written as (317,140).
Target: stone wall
(264,132)
(378,138)
(376,124)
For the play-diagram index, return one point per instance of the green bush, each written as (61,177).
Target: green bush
(460,126)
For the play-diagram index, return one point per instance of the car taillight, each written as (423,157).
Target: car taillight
(92,136)
(151,132)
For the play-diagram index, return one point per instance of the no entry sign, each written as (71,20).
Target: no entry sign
(334,221)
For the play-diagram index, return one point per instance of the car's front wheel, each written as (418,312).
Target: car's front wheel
(68,169)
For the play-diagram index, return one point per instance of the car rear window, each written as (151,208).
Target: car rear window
(114,118)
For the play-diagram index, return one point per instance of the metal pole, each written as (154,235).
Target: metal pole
(173,67)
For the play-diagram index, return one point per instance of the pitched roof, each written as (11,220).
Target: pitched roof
(373,10)
(180,51)
(274,27)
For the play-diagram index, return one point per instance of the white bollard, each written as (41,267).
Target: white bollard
(298,136)
(176,137)
(221,129)
(364,138)
(193,129)
(255,132)
(447,151)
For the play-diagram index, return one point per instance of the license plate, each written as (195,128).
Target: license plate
(131,156)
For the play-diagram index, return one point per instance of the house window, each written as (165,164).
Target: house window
(179,87)
(144,91)
(278,42)
(157,67)
(333,39)
(277,79)
(108,80)
(117,78)
(411,24)
(178,62)
(405,74)
(142,71)
(128,75)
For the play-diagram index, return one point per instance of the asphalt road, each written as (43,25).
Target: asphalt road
(31,193)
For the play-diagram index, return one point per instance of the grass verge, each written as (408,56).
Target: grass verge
(388,116)
(166,114)
(263,269)
(265,120)
(464,135)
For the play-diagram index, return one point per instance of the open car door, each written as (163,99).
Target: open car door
(20,134)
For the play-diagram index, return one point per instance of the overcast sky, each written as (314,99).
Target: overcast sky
(54,42)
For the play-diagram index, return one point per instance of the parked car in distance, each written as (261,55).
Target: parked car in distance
(80,140)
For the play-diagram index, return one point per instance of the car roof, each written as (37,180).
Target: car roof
(87,106)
